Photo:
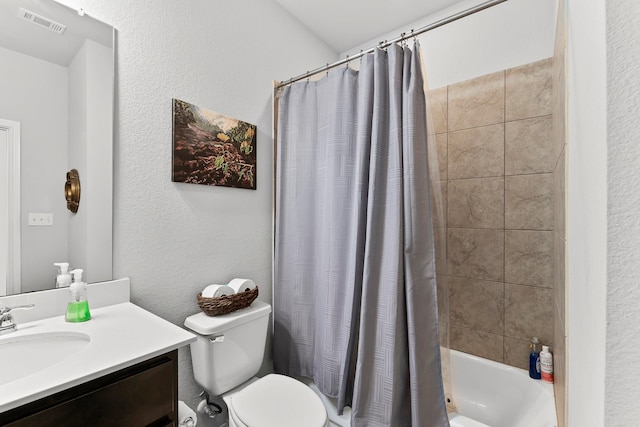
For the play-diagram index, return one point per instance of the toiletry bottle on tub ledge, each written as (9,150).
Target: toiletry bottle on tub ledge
(546,364)
(534,360)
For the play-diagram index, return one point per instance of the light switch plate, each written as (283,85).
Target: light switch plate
(40,219)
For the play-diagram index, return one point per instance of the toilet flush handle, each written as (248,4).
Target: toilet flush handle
(216,338)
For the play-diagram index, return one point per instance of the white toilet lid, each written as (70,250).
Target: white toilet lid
(279,401)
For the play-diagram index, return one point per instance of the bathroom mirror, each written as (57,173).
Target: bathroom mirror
(56,114)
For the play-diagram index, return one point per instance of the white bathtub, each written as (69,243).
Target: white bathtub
(487,394)
(498,395)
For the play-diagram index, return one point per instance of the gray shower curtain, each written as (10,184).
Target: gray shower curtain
(354,294)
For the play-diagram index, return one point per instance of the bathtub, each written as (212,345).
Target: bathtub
(487,394)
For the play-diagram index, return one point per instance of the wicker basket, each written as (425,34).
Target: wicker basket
(226,303)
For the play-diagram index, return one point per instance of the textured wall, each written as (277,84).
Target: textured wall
(494,136)
(622,388)
(172,239)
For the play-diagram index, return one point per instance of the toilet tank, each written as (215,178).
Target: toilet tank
(229,348)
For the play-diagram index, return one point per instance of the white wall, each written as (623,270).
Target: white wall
(77,157)
(622,389)
(586,212)
(99,162)
(172,238)
(504,36)
(34,93)
(90,152)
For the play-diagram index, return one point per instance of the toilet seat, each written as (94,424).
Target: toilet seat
(277,401)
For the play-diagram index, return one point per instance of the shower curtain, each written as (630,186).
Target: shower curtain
(355,305)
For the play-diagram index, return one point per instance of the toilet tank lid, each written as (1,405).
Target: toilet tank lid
(209,325)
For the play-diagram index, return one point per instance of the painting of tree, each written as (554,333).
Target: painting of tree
(210,148)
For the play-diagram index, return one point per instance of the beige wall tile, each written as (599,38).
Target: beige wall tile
(559,203)
(441,144)
(475,253)
(559,93)
(559,247)
(528,90)
(477,102)
(559,121)
(439,202)
(529,146)
(476,152)
(476,203)
(437,103)
(442,286)
(516,352)
(480,343)
(481,254)
(528,312)
(528,257)
(528,202)
(477,304)
(440,244)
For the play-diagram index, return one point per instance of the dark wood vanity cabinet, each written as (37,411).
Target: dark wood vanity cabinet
(145,394)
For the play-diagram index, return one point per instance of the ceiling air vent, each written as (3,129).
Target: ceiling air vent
(41,21)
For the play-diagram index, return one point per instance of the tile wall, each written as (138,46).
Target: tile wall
(495,151)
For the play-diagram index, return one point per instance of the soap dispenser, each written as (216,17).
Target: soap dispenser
(78,306)
(63,279)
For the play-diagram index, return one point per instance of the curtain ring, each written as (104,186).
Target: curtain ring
(308,76)
(348,60)
(327,69)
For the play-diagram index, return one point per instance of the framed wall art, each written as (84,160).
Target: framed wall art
(211,148)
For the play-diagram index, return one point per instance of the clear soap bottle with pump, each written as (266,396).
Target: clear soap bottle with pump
(63,279)
(78,306)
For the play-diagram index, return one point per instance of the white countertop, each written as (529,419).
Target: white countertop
(121,336)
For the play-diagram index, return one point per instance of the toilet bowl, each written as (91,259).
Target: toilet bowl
(228,353)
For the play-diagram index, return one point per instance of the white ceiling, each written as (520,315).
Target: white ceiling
(343,24)
(23,36)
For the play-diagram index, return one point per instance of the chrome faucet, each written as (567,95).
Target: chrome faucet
(7,324)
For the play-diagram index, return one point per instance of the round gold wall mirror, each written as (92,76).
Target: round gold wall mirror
(72,190)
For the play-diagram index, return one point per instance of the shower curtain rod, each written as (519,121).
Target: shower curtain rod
(403,36)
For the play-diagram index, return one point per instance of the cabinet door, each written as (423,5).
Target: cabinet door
(143,396)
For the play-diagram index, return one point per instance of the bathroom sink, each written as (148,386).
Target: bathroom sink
(24,355)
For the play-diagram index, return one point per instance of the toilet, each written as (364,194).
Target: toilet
(228,353)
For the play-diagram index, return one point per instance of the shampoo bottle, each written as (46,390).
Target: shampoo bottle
(63,279)
(546,364)
(78,306)
(534,360)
